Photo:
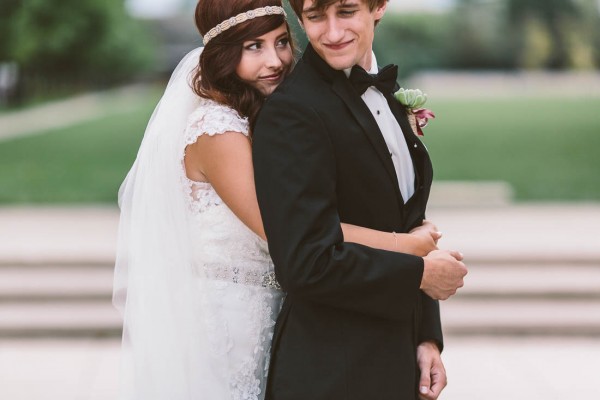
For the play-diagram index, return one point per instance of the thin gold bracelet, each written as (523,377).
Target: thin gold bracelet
(395,240)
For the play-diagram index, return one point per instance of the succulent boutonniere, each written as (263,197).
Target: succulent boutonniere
(414,100)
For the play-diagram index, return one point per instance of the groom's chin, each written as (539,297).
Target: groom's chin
(338,62)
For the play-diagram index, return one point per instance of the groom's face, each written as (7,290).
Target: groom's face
(342,34)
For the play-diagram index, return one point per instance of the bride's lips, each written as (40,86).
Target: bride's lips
(272,78)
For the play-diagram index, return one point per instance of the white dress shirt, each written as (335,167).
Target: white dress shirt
(392,134)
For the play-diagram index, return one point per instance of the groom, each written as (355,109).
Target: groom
(357,323)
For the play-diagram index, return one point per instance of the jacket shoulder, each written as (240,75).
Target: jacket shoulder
(304,85)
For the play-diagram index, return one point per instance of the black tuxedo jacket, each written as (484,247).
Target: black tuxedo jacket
(353,315)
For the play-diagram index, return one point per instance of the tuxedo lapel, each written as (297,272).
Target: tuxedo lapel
(342,87)
(421,163)
(415,146)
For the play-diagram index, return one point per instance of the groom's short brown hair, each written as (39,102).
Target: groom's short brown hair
(323,4)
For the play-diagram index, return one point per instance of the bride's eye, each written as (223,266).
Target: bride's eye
(253,46)
(283,42)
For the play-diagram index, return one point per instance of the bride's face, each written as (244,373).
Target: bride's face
(266,60)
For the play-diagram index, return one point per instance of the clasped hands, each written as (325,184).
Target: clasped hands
(444,270)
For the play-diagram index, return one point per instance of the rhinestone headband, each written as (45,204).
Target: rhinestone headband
(243,17)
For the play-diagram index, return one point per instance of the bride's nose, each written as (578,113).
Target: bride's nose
(272,59)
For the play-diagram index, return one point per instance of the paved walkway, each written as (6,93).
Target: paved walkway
(495,85)
(478,369)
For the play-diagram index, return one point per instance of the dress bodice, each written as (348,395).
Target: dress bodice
(225,248)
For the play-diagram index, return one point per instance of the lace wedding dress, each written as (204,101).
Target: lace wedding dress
(236,278)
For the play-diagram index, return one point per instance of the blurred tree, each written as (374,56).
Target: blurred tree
(527,17)
(473,40)
(7,10)
(591,27)
(93,41)
(412,41)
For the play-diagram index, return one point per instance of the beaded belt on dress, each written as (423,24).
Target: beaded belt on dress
(242,276)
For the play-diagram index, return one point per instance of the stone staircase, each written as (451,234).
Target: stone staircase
(53,301)
(534,269)
(505,299)
(559,299)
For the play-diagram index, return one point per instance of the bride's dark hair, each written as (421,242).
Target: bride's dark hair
(216,78)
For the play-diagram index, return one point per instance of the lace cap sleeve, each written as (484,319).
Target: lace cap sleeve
(212,118)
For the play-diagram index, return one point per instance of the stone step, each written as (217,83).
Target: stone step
(531,281)
(533,232)
(470,194)
(498,299)
(511,233)
(39,283)
(59,319)
(502,317)
(509,317)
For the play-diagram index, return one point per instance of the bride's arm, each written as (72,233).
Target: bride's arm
(419,242)
(225,161)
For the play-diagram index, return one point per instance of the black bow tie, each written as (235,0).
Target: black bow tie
(385,80)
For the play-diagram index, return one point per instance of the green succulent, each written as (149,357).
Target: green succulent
(411,98)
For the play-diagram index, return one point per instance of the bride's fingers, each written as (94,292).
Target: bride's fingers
(429,223)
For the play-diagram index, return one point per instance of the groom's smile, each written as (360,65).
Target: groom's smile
(338,46)
(342,33)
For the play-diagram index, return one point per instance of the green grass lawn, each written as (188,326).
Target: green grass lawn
(547,149)
(83,163)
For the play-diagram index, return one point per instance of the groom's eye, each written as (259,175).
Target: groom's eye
(313,17)
(346,13)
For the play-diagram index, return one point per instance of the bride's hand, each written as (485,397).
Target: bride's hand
(427,236)
(428,230)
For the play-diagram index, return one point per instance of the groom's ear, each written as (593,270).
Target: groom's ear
(380,11)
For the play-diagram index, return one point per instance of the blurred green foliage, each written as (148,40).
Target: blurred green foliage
(413,42)
(501,34)
(73,42)
(554,24)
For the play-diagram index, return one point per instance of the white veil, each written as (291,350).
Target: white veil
(155,288)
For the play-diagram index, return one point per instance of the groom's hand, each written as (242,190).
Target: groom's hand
(443,274)
(433,374)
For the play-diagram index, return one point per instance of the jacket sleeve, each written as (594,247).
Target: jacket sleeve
(295,173)
(431,325)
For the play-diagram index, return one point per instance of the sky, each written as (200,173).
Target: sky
(164,8)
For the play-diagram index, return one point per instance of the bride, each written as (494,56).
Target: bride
(193,278)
